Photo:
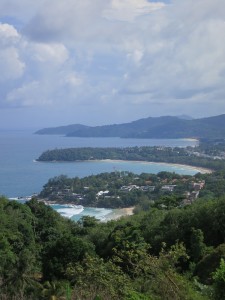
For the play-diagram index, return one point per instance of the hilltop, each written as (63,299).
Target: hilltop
(151,127)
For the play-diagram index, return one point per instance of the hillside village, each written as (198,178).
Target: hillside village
(115,190)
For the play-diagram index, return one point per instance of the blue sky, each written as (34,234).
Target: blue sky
(109,61)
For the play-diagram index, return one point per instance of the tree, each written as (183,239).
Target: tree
(219,281)
(54,290)
(95,279)
(64,251)
(197,247)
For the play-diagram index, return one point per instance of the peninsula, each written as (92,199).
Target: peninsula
(209,156)
(165,127)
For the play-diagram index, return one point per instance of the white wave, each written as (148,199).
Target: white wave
(25,198)
(69,212)
(73,206)
(100,213)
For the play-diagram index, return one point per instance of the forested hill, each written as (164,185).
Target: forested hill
(62,130)
(152,154)
(157,127)
(156,254)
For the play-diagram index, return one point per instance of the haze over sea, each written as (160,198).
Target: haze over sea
(21,176)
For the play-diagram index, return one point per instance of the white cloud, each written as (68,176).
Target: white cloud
(11,65)
(73,80)
(8,35)
(27,95)
(128,10)
(49,53)
(186,57)
(153,55)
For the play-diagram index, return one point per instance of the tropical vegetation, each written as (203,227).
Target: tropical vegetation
(175,253)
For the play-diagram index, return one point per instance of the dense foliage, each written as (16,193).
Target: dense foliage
(176,253)
(125,189)
(116,189)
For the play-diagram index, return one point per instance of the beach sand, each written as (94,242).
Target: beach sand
(120,212)
(199,169)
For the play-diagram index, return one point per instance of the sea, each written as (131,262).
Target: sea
(22,176)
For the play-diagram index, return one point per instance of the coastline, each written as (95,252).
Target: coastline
(74,211)
(200,169)
(114,214)
(119,213)
(196,168)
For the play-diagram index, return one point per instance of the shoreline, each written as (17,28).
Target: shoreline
(114,214)
(118,213)
(200,169)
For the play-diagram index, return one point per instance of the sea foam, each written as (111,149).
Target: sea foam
(68,211)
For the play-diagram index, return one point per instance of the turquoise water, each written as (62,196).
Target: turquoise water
(20,175)
(76,212)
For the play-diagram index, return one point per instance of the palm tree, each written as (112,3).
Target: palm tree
(54,291)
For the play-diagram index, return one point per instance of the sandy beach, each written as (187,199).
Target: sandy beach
(199,169)
(120,212)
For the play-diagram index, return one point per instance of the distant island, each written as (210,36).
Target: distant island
(168,127)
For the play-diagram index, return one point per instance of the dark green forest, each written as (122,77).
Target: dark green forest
(176,253)
(152,154)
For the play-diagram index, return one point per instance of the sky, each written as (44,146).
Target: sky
(100,62)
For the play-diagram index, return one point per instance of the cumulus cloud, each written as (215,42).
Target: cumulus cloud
(11,65)
(129,10)
(8,34)
(55,53)
(111,52)
(191,57)
(26,95)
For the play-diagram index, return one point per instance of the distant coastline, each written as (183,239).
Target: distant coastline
(200,169)
(164,127)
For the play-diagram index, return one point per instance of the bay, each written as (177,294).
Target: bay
(21,176)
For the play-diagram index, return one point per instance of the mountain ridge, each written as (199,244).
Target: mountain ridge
(151,127)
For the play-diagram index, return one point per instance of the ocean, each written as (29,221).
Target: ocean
(21,175)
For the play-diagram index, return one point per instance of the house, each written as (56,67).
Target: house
(101,193)
(128,188)
(197,186)
(146,188)
(168,188)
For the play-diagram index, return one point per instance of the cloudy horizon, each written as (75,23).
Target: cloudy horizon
(109,61)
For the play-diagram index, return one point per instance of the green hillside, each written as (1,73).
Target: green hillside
(156,254)
(158,127)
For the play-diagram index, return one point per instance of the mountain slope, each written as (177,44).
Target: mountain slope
(123,130)
(64,130)
(152,127)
